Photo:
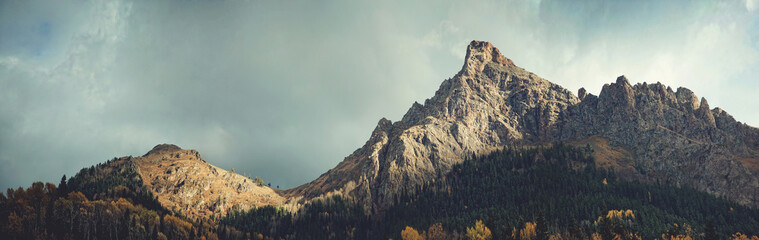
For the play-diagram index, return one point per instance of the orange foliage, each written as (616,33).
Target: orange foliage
(436,232)
(410,233)
(740,236)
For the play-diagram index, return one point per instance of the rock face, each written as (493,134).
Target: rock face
(672,137)
(666,135)
(490,103)
(183,181)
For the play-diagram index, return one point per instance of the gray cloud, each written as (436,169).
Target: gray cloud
(286,90)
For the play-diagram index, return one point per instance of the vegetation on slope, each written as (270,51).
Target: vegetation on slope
(555,189)
(511,187)
(107,201)
(522,194)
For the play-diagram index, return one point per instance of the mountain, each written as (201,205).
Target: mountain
(646,132)
(496,143)
(180,180)
(489,104)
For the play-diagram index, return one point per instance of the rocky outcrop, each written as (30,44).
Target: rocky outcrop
(184,182)
(667,135)
(672,137)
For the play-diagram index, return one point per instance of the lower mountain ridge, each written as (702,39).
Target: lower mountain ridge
(181,181)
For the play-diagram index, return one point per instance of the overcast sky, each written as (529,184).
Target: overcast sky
(285,90)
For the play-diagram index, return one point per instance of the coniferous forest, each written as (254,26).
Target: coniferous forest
(533,193)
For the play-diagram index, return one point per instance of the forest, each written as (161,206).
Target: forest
(555,190)
(535,193)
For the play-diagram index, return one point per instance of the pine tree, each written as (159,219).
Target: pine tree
(541,230)
(709,232)
(63,188)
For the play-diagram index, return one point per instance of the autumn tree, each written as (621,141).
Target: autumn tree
(410,233)
(478,232)
(176,228)
(436,232)
(14,229)
(740,236)
(526,233)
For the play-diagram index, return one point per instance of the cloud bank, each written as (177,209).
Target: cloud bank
(286,90)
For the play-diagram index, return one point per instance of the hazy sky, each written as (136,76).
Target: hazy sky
(285,89)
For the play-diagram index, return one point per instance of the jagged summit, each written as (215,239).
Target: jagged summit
(163,148)
(478,54)
(622,80)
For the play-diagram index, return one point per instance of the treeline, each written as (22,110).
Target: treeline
(42,211)
(102,178)
(614,225)
(329,218)
(107,201)
(511,187)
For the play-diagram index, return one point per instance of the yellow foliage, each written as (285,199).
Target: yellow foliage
(605,183)
(678,237)
(436,232)
(478,232)
(629,213)
(410,233)
(596,236)
(620,214)
(528,232)
(740,236)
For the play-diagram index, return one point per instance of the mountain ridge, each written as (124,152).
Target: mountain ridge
(645,132)
(493,103)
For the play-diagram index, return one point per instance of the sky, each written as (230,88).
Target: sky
(284,90)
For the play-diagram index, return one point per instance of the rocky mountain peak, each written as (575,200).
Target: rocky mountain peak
(491,103)
(581,93)
(163,148)
(617,97)
(687,98)
(622,80)
(478,54)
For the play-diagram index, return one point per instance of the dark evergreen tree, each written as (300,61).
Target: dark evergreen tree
(541,230)
(709,231)
(63,188)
